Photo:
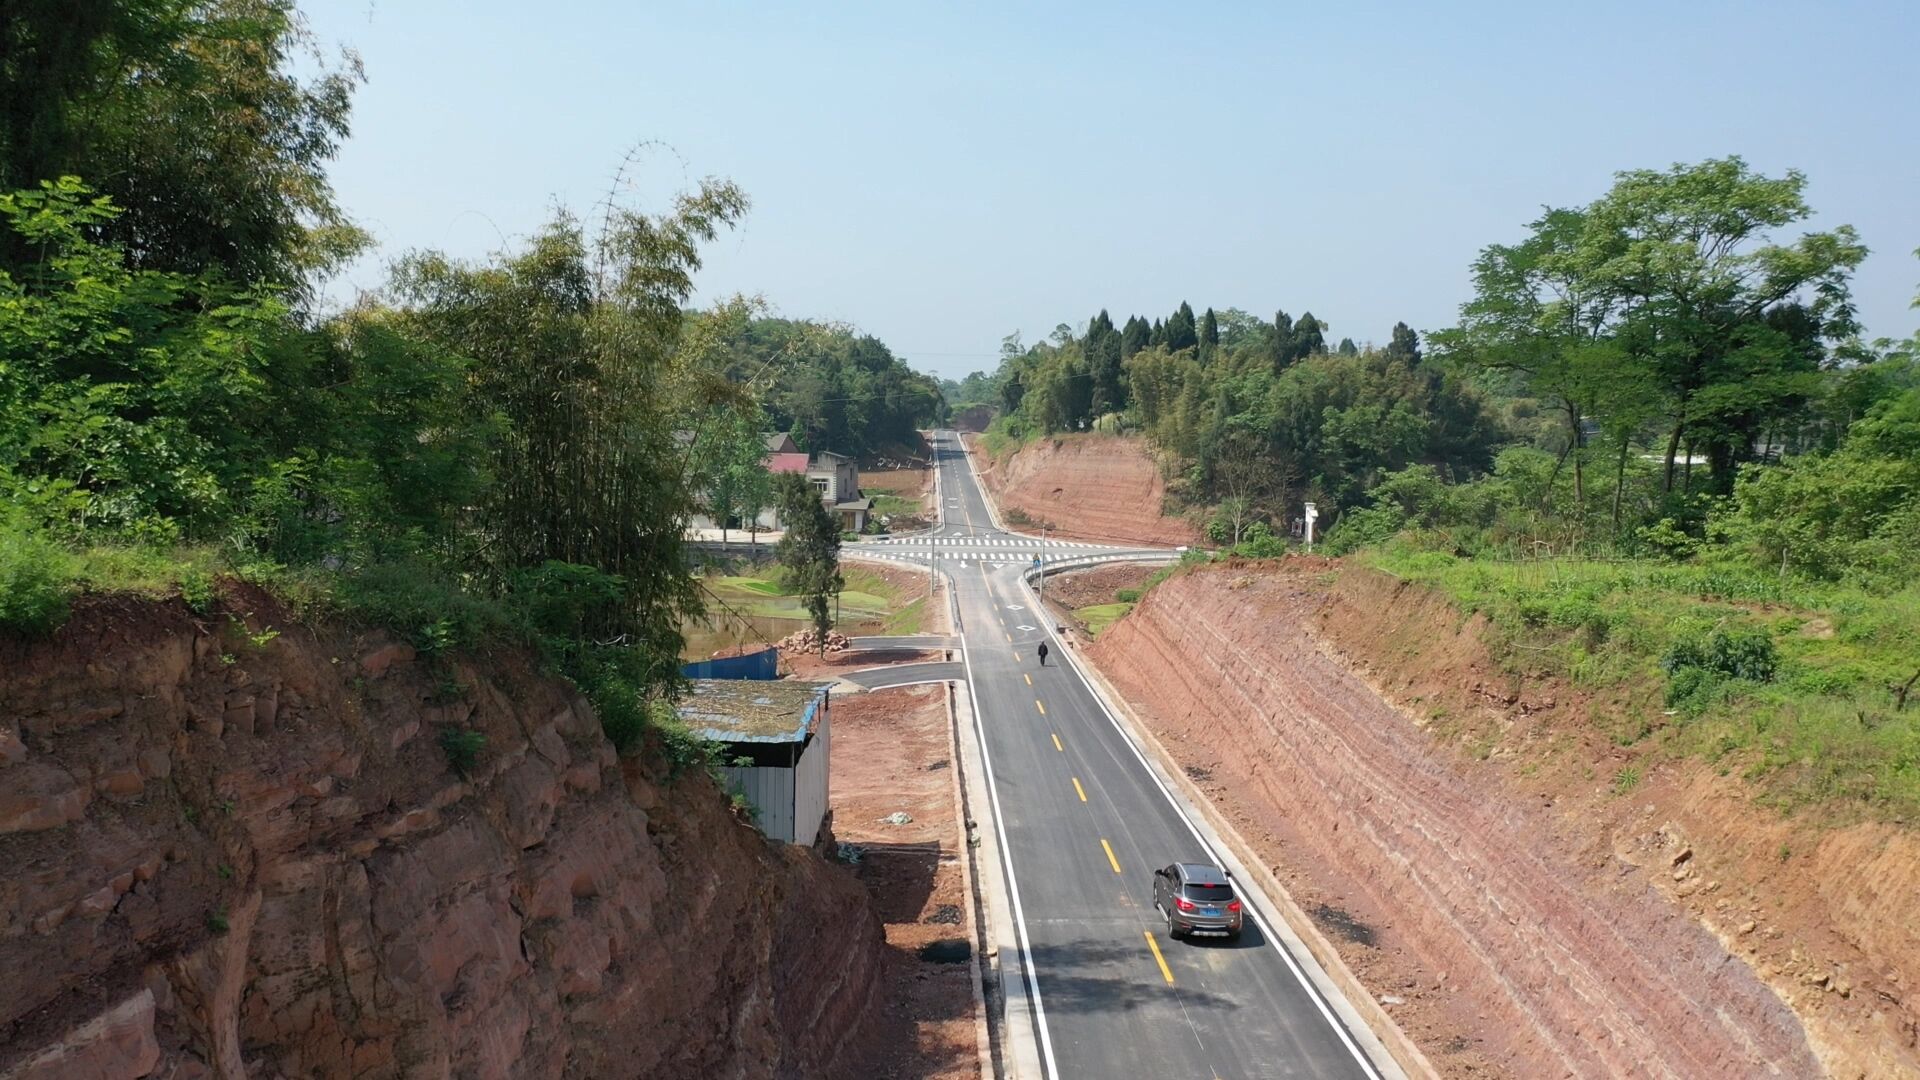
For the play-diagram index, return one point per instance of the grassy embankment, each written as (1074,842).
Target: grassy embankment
(1792,684)
(1095,618)
(893,506)
(870,604)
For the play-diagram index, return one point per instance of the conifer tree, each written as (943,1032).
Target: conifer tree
(1209,335)
(1348,348)
(1282,340)
(1405,344)
(1134,337)
(1181,331)
(1308,336)
(1103,364)
(1158,335)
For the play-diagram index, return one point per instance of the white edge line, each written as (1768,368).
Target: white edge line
(1265,930)
(1028,972)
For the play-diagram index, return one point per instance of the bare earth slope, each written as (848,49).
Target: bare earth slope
(1510,934)
(1088,487)
(229,859)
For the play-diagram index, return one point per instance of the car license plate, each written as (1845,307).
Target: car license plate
(1210,909)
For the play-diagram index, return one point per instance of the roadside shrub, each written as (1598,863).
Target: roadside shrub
(1699,673)
(462,747)
(1262,547)
(35,582)
(1127,596)
(1693,690)
(1365,526)
(198,589)
(1738,652)
(1668,540)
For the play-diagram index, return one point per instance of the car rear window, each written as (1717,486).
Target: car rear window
(1212,894)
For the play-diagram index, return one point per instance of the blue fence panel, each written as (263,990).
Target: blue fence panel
(764,664)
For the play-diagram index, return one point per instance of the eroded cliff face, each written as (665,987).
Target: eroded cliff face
(1088,487)
(235,859)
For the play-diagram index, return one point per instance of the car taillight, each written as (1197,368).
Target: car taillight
(1183,903)
(1234,906)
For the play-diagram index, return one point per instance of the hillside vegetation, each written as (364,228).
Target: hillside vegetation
(502,449)
(1656,452)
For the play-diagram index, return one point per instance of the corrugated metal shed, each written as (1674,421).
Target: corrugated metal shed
(742,710)
(779,736)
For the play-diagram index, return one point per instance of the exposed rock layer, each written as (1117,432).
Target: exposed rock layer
(230,859)
(1574,959)
(1088,487)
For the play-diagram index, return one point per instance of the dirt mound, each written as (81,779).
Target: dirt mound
(1088,487)
(1505,931)
(236,854)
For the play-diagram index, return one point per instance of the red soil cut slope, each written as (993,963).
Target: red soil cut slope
(1510,930)
(1088,487)
(229,858)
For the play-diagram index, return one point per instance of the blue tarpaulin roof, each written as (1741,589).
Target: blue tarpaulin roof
(744,710)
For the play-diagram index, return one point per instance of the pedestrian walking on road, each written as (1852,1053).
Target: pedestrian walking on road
(1043,654)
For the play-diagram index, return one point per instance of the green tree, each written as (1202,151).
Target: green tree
(1852,513)
(1405,345)
(1309,337)
(1729,323)
(1348,348)
(1103,350)
(191,116)
(1284,353)
(730,464)
(1209,335)
(1181,331)
(1134,338)
(576,349)
(1536,312)
(809,551)
(135,400)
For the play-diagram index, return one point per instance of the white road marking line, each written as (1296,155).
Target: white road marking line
(1006,856)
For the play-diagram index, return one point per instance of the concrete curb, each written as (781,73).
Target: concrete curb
(976,931)
(1295,922)
(1019,1056)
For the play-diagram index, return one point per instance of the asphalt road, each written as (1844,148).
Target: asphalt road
(1085,823)
(881,678)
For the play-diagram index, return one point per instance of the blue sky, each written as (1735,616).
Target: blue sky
(940,175)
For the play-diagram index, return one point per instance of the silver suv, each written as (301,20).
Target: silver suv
(1197,898)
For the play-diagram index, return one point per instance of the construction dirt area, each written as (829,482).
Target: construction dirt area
(1512,912)
(1085,487)
(895,814)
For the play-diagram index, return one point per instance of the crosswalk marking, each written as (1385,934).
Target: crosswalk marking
(1000,542)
